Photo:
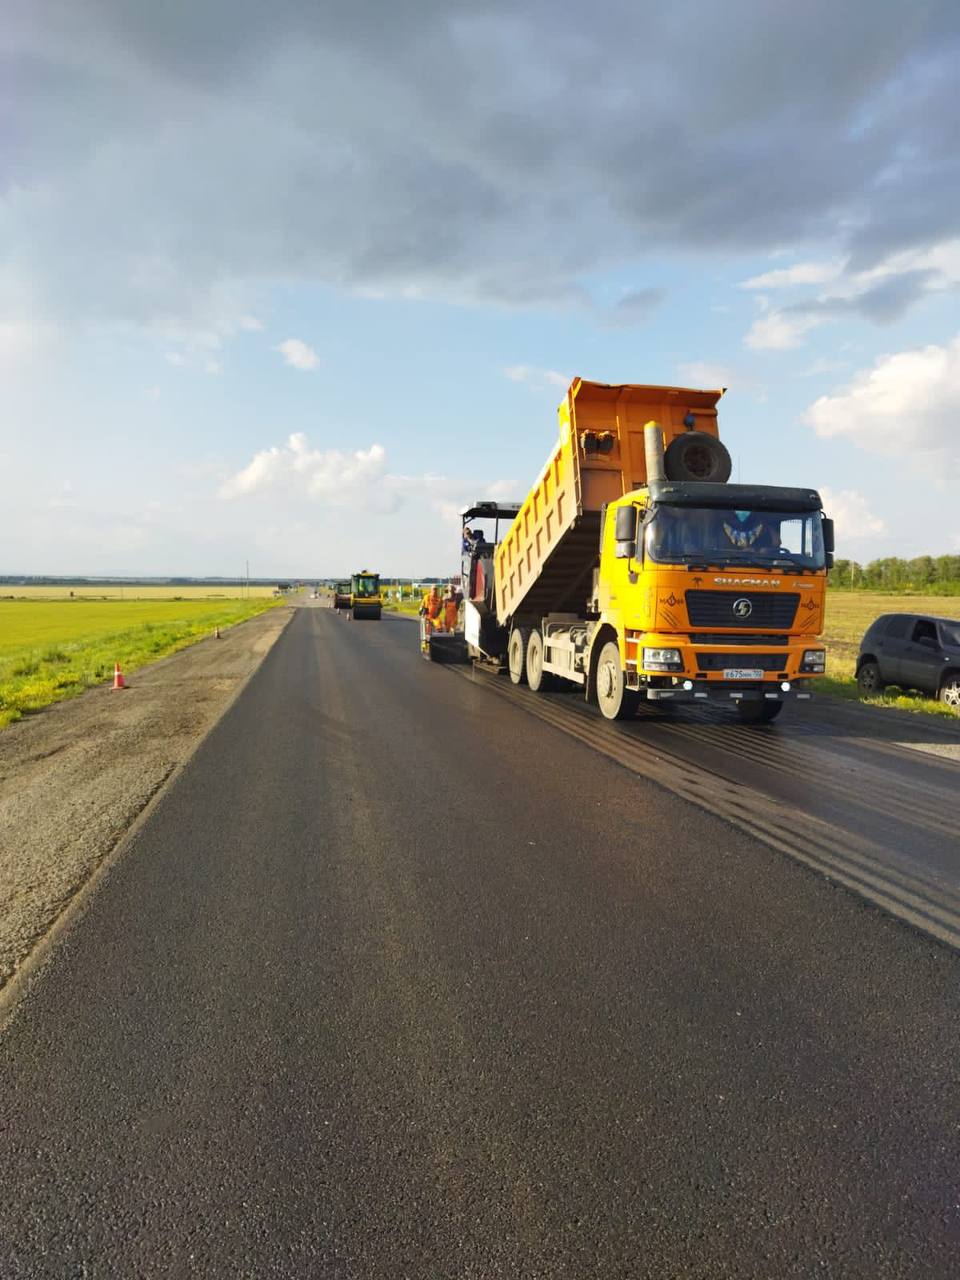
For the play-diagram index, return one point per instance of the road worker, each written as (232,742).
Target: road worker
(451,609)
(430,609)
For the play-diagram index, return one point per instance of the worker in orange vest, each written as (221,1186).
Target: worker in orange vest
(430,607)
(451,609)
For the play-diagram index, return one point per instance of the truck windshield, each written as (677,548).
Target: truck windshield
(721,536)
(366,586)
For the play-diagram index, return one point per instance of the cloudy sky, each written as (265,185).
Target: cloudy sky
(290,282)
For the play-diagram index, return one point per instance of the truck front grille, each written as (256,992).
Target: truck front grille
(722,661)
(722,637)
(716,609)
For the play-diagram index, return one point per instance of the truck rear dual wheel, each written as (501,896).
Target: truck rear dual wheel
(615,700)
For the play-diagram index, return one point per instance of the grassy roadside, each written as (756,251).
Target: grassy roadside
(55,649)
(409,607)
(134,591)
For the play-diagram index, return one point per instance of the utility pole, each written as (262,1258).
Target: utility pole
(248,579)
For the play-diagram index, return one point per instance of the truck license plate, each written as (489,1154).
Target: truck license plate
(743,673)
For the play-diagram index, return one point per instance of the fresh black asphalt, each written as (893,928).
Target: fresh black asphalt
(398,981)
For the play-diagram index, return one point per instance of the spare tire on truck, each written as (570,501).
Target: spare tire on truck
(697,456)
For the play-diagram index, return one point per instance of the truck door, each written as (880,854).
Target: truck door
(922,661)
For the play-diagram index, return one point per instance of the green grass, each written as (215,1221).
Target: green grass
(54,649)
(849,614)
(134,591)
(410,607)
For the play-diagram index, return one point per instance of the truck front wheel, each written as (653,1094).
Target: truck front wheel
(615,700)
(517,654)
(537,678)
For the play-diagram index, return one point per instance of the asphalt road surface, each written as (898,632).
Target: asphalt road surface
(402,980)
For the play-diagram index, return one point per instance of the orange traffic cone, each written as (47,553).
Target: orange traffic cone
(118,680)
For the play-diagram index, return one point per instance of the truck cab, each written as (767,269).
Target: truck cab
(716,591)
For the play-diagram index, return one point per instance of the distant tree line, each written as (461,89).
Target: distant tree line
(930,575)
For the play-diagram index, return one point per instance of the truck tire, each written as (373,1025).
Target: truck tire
(517,654)
(868,679)
(615,700)
(758,712)
(697,456)
(537,678)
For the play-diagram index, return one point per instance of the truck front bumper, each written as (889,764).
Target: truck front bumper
(714,691)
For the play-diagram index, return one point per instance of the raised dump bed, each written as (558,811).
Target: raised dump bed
(545,561)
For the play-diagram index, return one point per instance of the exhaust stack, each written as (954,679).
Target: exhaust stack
(653,447)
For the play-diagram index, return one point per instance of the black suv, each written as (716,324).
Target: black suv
(912,652)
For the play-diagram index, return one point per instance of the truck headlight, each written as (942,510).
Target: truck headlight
(814,660)
(662,660)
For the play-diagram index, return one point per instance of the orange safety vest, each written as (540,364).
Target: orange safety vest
(450,615)
(431,604)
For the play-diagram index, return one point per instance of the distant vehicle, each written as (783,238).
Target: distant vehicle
(365,598)
(341,595)
(912,651)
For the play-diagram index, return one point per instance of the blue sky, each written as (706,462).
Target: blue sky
(290,286)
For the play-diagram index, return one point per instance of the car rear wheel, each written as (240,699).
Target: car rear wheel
(868,679)
(950,693)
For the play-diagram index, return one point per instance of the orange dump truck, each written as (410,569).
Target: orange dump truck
(634,569)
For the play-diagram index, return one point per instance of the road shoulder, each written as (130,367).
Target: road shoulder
(77,776)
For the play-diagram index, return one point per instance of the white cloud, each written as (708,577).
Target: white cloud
(908,404)
(852,515)
(330,474)
(335,478)
(802,273)
(881,294)
(777,331)
(538,378)
(298,354)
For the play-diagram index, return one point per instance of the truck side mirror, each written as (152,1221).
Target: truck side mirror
(625,532)
(828,545)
